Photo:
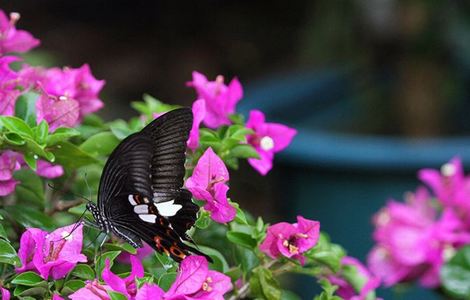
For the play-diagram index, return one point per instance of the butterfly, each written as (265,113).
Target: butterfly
(140,195)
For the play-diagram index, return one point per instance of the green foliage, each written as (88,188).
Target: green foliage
(455,274)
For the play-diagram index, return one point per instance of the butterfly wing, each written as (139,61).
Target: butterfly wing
(140,189)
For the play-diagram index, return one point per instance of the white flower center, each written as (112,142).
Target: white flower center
(448,170)
(66,236)
(448,252)
(266,143)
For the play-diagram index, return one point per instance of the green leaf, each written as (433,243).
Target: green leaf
(83,271)
(72,286)
(41,132)
(455,274)
(3,233)
(16,125)
(328,291)
(31,188)
(15,139)
(121,247)
(25,108)
(116,296)
(61,134)
(246,258)
(242,239)
(100,262)
(204,219)
(219,262)
(29,279)
(240,217)
(289,295)
(22,290)
(166,280)
(8,254)
(29,216)
(120,129)
(102,143)
(72,157)
(244,151)
(264,285)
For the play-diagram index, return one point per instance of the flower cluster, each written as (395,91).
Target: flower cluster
(414,239)
(64,96)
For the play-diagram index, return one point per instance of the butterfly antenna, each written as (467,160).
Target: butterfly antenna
(74,194)
(73,228)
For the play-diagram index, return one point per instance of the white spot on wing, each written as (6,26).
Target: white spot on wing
(148,218)
(141,209)
(131,200)
(168,209)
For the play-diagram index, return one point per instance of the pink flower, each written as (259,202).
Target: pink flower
(8,81)
(149,292)
(196,281)
(269,138)
(93,290)
(57,297)
(346,290)
(291,240)
(142,253)
(54,254)
(12,39)
(448,184)
(48,170)
(126,286)
(68,94)
(5,294)
(220,99)
(413,240)
(208,183)
(199,113)
(8,165)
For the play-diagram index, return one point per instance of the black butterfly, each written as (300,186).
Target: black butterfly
(140,196)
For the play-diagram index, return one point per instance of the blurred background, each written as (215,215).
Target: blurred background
(376,88)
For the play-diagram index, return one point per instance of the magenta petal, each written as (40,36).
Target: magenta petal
(115,282)
(199,113)
(192,274)
(219,285)
(264,164)
(5,294)
(30,246)
(22,41)
(149,292)
(235,94)
(48,170)
(220,208)
(137,270)
(57,297)
(309,228)
(92,291)
(281,135)
(209,167)
(255,119)
(7,187)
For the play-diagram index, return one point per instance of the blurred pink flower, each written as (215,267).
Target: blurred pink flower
(5,293)
(68,94)
(220,100)
(8,165)
(291,240)
(12,39)
(54,254)
(413,240)
(208,183)
(92,290)
(126,286)
(346,290)
(57,297)
(8,81)
(448,184)
(196,281)
(48,170)
(268,139)
(199,112)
